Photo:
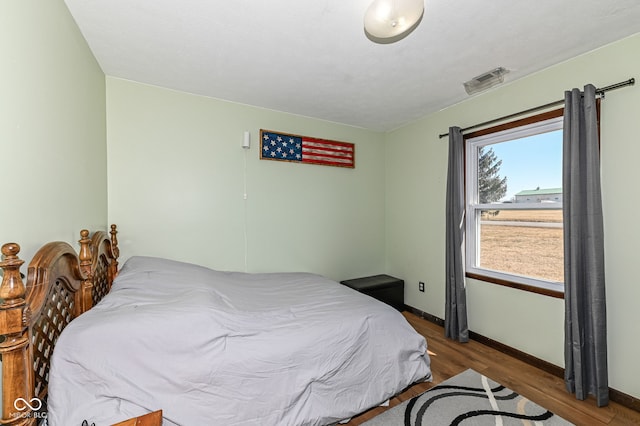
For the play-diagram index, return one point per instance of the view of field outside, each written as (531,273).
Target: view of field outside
(523,242)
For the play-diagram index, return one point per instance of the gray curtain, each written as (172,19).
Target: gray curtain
(585,305)
(455,318)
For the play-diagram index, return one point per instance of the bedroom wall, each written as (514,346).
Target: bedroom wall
(415,212)
(52,128)
(177,172)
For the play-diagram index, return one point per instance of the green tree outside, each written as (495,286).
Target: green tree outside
(491,186)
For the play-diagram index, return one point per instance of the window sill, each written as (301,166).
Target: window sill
(523,287)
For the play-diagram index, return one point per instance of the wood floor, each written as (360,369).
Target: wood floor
(449,358)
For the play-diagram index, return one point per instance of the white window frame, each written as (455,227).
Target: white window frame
(474,208)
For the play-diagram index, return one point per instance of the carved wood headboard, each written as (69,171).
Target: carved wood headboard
(61,284)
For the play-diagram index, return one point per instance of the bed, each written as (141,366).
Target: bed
(215,347)
(60,285)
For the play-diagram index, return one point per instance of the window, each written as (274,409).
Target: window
(514,232)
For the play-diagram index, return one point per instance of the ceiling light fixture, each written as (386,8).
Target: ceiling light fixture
(387,21)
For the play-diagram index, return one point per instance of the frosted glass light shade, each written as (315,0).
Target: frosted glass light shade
(391,20)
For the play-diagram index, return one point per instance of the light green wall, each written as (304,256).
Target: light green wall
(176,184)
(52,127)
(415,212)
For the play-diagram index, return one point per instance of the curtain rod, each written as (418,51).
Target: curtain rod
(600,92)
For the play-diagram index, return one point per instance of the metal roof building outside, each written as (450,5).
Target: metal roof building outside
(539,195)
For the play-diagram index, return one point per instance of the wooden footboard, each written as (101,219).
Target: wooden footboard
(61,284)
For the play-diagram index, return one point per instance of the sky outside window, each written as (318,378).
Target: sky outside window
(531,162)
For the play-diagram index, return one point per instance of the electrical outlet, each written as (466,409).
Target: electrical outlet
(421,286)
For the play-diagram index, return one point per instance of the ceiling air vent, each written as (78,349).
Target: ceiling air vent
(485,81)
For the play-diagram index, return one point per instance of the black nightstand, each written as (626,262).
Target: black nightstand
(385,288)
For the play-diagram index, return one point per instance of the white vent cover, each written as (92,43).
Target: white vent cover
(485,81)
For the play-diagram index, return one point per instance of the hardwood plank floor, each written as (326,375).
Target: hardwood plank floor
(449,358)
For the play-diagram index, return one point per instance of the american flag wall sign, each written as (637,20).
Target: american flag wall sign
(304,149)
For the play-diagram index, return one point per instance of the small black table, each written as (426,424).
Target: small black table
(385,288)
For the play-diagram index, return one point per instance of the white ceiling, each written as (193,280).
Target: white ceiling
(312,58)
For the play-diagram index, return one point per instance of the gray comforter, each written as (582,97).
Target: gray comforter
(229,348)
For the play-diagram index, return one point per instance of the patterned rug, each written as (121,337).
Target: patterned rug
(468,399)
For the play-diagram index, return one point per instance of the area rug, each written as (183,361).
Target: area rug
(468,399)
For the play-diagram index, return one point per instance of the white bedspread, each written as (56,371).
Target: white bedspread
(229,348)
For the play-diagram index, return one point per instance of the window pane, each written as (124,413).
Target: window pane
(522,242)
(531,168)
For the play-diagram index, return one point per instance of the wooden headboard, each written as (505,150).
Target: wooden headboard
(61,284)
